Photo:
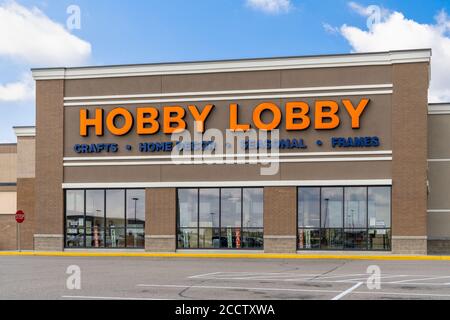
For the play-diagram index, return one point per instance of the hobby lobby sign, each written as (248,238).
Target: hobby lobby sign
(297,116)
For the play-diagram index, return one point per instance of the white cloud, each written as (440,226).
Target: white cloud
(28,35)
(29,38)
(22,90)
(396,32)
(330,29)
(271,6)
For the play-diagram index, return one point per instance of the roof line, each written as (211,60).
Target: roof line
(238,65)
(236,60)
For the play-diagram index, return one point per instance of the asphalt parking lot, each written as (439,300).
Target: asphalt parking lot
(129,278)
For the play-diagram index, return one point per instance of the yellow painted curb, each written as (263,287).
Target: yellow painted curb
(228,256)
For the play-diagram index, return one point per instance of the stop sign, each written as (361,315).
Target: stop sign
(20,216)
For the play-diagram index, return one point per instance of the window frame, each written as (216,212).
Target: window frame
(343,228)
(220,228)
(104,247)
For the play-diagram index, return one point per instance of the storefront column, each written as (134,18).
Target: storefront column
(49,205)
(409,166)
(160,220)
(280,219)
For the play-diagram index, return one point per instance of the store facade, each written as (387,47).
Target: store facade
(332,156)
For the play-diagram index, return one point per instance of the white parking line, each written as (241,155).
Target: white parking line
(374,292)
(318,278)
(346,292)
(422,279)
(234,288)
(383,277)
(204,275)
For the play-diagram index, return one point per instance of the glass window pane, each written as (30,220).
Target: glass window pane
(188,208)
(135,209)
(231,208)
(379,207)
(115,208)
(209,238)
(187,238)
(209,208)
(309,239)
(332,207)
(135,238)
(332,239)
(115,237)
(309,207)
(231,238)
(253,238)
(253,206)
(355,207)
(95,237)
(95,208)
(75,218)
(356,239)
(380,239)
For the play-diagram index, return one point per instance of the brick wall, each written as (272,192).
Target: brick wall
(280,219)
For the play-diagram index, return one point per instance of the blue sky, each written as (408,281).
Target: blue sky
(138,31)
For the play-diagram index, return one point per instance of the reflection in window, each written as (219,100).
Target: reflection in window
(209,208)
(227,218)
(355,215)
(309,207)
(231,208)
(253,208)
(115,218)
(332,206)
(75,218)
(350,218)
(188,208)
(112,218)
(135,208)
(379,207)
(95,218)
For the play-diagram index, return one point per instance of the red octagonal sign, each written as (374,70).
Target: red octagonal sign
(20,216)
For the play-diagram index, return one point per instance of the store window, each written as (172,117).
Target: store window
(75,226)
(220,218)
(113,218)
(344,218)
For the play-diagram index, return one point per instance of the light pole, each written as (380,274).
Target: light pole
(135,209)
(135,217)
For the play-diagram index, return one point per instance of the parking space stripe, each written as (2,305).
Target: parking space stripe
(421,279)
(348,291)
(341,294)
(235,288)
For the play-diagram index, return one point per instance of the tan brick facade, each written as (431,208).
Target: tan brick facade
(49,212)
(280,219)
(161,220)
(409,166)
(26,203)
(8,232)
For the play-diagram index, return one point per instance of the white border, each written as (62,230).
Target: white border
(327,61)
(206,184)
(231,92)
(438,108)
(25,131)
(229,98)
(248,155)
(250,160)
